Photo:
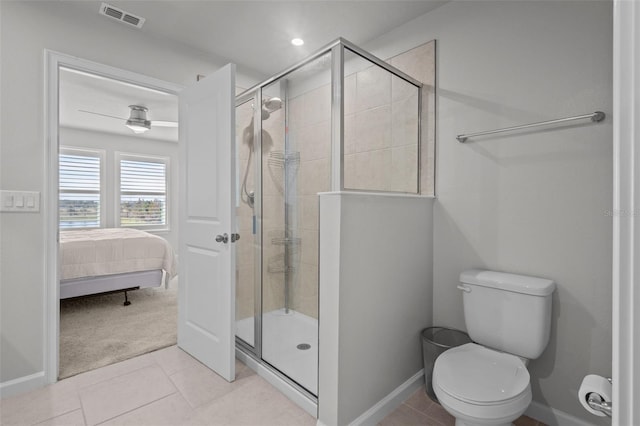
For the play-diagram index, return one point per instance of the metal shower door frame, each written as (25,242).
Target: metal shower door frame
(336,49)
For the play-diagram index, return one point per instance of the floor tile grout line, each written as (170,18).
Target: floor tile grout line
(58,415)
(84,415)
(237,387)
(114,377)
(137,408)
(439,423)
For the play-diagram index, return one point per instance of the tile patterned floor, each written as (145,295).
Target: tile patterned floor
(420,410)
(169,387)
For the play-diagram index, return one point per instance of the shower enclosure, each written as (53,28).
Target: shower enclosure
(340,120)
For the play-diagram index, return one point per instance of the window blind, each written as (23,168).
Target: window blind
(79,191)
(143,193)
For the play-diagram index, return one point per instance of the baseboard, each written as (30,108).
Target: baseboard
(290,392)
(553,417)
(22,384)
(390,402)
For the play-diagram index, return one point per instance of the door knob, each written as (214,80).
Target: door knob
(235,237)
(224,238)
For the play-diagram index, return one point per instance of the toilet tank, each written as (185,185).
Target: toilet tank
(507,312)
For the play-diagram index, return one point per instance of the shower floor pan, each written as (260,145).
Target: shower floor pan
(289,343)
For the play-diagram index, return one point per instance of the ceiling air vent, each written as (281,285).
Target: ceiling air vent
(121,16)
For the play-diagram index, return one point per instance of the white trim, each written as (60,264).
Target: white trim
(626,196)
(553,417)
(22,384)
(390,402)
(52,62)
(289,391)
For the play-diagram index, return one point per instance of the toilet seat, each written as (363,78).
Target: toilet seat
(477,375)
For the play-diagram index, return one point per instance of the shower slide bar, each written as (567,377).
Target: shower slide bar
(596,117)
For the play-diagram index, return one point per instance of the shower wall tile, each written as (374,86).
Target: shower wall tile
(314,141)
(404,122)
(272,212)
(272,179)
(380,128)
(272,291)
(314,176)
(373,129)
(370,170)
(296,113)
(350,134)
(305,293)
(350,94)
(403,178)
(308,205)
(373,88)
(401,89)
(316,106)
(368,130)
(419,63)
(351,176)
(309,246)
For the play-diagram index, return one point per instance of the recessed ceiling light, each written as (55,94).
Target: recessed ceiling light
(297,42)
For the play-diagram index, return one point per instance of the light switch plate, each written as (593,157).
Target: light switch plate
(19,201)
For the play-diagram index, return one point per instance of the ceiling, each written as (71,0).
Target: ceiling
(255,35)
(81,92)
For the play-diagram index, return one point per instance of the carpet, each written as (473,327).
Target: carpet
(98,330)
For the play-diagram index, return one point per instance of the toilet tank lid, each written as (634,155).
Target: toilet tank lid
(510,282)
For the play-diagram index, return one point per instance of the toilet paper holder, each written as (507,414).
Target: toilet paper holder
(597,402)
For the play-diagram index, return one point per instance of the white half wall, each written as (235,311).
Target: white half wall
(536,202)
(375,298)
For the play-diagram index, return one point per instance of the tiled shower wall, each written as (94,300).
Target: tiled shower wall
(380,148)
(380,152)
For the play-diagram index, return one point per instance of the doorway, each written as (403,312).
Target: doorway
(96,136)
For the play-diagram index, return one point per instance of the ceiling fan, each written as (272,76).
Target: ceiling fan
(137,120)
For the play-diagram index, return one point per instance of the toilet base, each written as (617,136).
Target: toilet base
(462,423)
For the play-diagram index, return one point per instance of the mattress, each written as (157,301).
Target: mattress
(107,251)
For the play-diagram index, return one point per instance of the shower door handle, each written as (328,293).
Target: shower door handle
(224,238)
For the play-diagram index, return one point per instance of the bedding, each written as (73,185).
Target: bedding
(109,251)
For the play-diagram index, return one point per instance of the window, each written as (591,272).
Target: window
(80,183)
(143,191)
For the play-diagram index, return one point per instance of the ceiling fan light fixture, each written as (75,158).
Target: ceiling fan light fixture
(137,121)
(138,127)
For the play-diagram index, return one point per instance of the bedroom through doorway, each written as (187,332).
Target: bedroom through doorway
(117,219)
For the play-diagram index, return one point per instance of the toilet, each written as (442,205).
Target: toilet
(508,317)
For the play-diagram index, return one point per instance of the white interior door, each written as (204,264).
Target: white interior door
(206,292)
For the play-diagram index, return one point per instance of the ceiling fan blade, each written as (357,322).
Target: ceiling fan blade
(164,123)
(104,115)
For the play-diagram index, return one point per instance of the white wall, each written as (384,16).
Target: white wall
(534,203)
(375,298)
(112,144)
(26,29)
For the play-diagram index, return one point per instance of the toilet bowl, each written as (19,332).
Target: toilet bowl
(480,386)
(508,318)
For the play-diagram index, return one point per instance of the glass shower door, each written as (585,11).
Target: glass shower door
(296,161)
(247,281)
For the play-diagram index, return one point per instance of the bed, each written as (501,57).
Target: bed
(111,259)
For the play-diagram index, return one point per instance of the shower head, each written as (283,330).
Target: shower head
(272,104)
